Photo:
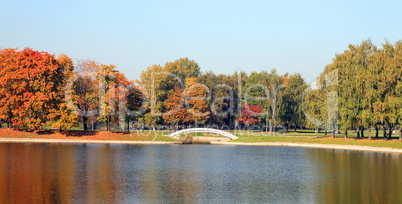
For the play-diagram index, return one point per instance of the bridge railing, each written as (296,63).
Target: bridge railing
(204,130)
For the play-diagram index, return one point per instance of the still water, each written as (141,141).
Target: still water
(102,173)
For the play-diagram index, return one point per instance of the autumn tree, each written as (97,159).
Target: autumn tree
(250,114)
(82,94)
(61,117)
(159,81)
(10,90)
(196,96)
(176,112)
(257,91)
(108,100)
(31,86)
(125,100)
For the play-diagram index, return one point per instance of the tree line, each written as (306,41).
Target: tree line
(368,86)
(360,89)
(38,90)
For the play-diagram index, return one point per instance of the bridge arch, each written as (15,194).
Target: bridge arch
(206,130)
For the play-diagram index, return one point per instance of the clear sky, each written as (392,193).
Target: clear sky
(222,36)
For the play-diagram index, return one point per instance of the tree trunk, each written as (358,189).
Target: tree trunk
(369,133)
(128,125)
(108,124)
(400,133)
(84,122)
(9,121)
(358,132)
(270,126)
(390,131)
(333,133)
(346,133)
(384,131)
(376,131)
(362,132)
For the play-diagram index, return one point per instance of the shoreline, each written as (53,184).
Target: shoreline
(288,144)
(80,141)
(315,145)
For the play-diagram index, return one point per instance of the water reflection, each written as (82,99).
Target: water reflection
(358,177)
(99,173)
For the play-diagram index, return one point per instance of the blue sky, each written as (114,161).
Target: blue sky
(222,36)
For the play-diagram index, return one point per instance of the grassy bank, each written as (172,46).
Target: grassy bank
(304,136)
(323,140)
(308,136)
(83,135)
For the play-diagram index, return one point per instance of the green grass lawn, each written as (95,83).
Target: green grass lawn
(301,136)
(308,136)
(311,133)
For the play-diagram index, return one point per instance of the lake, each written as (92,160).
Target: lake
(116,173)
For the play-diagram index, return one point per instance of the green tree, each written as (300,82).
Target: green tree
(352,66)
(257,91)
(276,85)
(160,82)
(135,103)
(292,112)
(314,107)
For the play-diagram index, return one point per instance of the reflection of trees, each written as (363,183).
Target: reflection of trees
(29,174)
(357,177)
(166,182)
(104,173)
(52,173)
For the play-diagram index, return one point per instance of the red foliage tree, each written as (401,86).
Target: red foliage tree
(249,114)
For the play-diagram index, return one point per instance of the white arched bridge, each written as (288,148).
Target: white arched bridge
(204,130)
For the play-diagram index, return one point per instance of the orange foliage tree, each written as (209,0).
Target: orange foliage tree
(10,89)
(31,82)
(61,117)
(196,101)
(176,113)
